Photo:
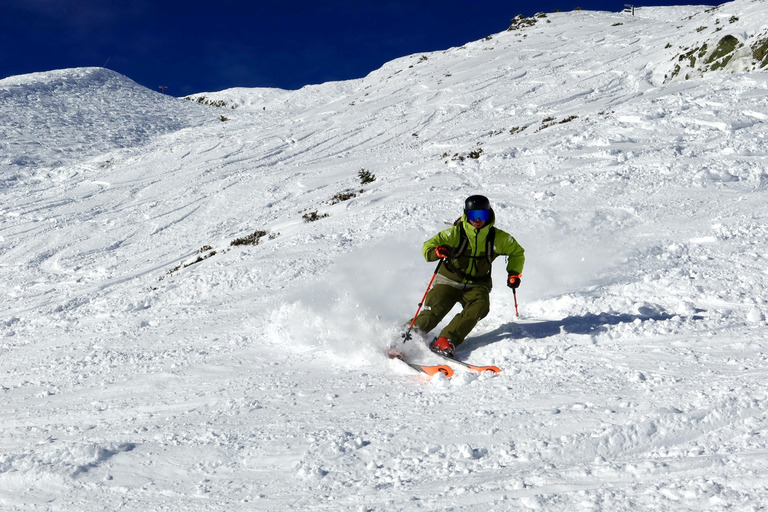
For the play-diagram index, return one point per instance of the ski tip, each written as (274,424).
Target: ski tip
(494,369)
(434,370)
(481,369)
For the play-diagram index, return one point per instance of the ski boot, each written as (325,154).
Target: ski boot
(444,346)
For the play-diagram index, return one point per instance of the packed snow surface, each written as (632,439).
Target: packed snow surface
(150,364)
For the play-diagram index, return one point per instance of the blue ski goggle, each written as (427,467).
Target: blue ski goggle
(475,215)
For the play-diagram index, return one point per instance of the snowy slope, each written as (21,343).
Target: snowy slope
(149,364)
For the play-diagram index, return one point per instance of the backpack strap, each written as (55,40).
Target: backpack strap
(489,244)
(463,241)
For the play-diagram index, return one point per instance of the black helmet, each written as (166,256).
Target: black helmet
(476,203)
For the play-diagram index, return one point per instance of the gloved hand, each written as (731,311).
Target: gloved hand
(513,281)
(443,251)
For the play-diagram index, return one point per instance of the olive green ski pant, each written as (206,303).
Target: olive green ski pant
(475,303)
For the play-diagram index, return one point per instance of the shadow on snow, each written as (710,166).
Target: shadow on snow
(581,324)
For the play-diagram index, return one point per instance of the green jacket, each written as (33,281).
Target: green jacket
(473,266)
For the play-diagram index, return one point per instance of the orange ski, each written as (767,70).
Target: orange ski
(494,369)
(429,370)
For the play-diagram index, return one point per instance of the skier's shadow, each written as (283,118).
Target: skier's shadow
(581,324)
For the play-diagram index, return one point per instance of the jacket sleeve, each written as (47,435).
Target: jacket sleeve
(448,237)
(507,245)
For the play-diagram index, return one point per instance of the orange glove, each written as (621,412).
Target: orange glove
(443,251)
(513,281)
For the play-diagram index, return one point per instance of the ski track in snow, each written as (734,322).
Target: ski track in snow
(147,364)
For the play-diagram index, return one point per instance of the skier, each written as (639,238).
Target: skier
(467,250)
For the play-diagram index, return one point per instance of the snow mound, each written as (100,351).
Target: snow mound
(65,116)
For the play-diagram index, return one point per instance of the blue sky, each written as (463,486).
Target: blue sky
(209,46)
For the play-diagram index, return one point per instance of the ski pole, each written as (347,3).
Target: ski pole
(514,292)
(407,334)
